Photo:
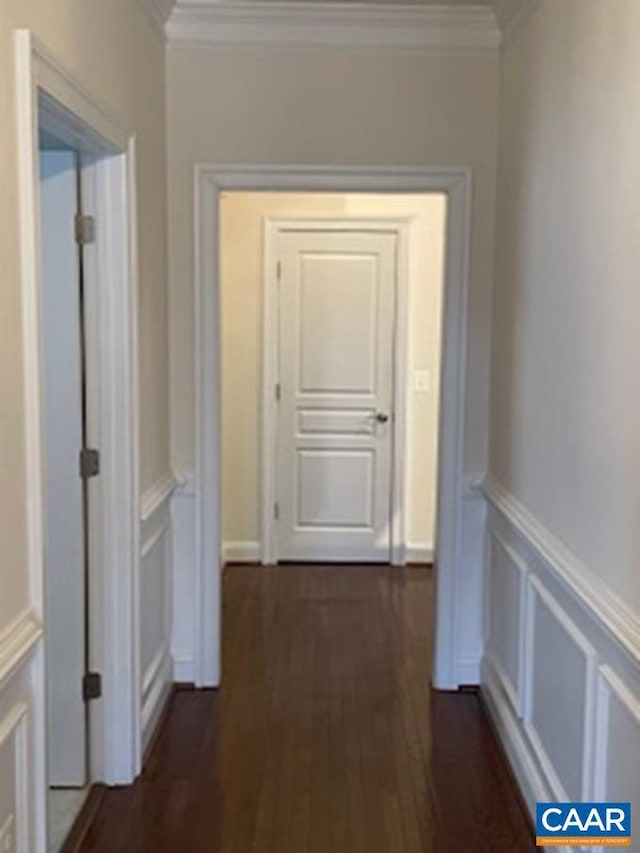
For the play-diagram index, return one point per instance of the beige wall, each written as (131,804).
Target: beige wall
(111,48)
(257,106)
(242,216)
(566,410)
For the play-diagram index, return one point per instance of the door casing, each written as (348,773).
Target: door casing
(49,95)
(210,180)
(273,227)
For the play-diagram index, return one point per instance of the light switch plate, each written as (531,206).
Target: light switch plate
(7,836)
(421,381)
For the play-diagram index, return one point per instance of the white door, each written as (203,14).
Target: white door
(335,430)
(63,427)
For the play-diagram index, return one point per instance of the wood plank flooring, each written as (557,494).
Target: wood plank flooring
(325,736)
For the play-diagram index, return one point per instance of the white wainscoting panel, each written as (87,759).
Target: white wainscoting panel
(183,640)
(469,637)
(506,579)
(561,669)
(617,746)
(14,767)
(22,785)
(559,693)
(156,556)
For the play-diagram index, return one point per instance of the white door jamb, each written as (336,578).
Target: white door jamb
(209,182)
(74,112)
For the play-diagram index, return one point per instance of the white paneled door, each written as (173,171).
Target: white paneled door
(335,427)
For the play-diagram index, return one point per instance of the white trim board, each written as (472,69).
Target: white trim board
(238,551)
(418,553)
(157,13)
(17,640)
(274,226)
(75,112)
(210,181)
(339,25)
(511,14)
(157,494)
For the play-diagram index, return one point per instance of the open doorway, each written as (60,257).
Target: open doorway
(79,326)
(331,336)
(457,615)
(71,464)
(88,484)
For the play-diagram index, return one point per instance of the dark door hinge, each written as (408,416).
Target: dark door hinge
(85,229)
(91,686)
(89,462)
(276,510)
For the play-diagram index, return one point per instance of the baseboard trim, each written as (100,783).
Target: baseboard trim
(156,687)
(183,668)
(242,552)
(83,822)
(417,553)
(532,787)
(159,724)
(490,715)
(468,672)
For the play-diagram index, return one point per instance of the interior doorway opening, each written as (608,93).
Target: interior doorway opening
(81,434)
(456,604)
(69,428)
(331,308)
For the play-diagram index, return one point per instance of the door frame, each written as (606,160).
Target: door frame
(210,180)
(273,227)
(45,87)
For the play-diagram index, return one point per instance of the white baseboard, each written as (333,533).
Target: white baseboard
(156,688)
(183,668)
(468,671)
(242,552)
(510,733)
(418,553)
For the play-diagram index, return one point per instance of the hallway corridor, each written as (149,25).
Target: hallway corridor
(325,737)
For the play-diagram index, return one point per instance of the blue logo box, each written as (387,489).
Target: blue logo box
(586,824)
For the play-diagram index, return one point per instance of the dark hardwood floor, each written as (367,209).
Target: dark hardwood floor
(325,736)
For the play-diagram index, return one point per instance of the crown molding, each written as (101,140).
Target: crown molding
(333,25)
(510,14)
(157,12)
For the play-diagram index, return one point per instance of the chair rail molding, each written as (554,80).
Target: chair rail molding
(17,640)
(607,608)
(157,494)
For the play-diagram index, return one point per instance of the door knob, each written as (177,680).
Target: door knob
(382,417)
